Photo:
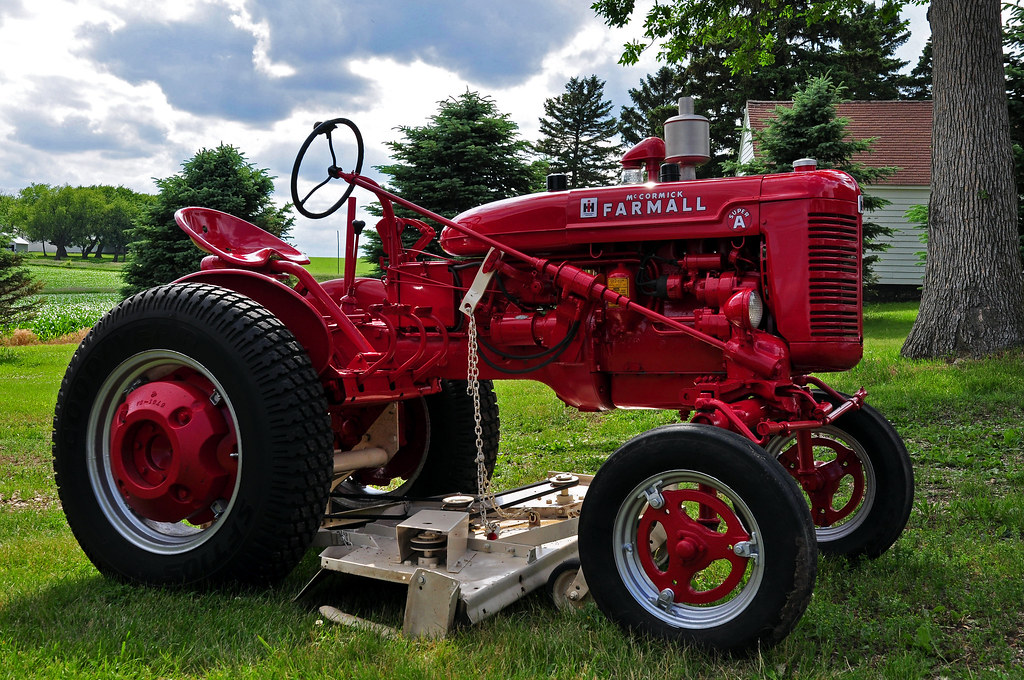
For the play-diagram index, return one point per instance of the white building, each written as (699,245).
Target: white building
(903,132)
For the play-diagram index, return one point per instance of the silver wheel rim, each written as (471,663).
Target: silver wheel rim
(165,538)
(854,521)
(645,592)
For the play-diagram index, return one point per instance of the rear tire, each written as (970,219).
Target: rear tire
(692,534)
(439,454)
(451,461)
(191,441)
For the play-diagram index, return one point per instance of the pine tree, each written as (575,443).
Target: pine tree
(654,102)
(219,178)
(468,154)
(811,129)
(919,82)
(16,284)
(577,131)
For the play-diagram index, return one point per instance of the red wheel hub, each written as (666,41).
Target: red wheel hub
(691,546)
(823,480)
(171,450)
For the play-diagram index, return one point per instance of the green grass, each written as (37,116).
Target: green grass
(75,275)
(327,268)
(77,292)
(945,601)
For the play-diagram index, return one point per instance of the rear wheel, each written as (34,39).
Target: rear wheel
(191,441)
(437,452)
(862,488)
(692,534)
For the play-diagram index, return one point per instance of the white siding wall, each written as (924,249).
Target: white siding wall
(746,140)
(899,264)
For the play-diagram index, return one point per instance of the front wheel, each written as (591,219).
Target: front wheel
(191,441)
(861,489)
(693,534)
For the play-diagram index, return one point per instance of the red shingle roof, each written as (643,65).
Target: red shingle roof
(903,129)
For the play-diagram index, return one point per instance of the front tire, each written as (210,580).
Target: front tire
(692,534)
(191,441)
(863,488)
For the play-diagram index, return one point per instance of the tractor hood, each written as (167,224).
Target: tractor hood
(723,207)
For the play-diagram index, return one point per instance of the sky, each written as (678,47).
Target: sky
(124,91)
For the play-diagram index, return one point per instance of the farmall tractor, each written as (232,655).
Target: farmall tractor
(203,427)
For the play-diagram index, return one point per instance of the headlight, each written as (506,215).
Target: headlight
(744,309)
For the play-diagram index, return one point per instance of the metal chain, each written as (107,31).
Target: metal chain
(483,482)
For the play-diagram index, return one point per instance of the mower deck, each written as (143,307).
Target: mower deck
(456,568)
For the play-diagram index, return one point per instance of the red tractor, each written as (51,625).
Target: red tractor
(203,426)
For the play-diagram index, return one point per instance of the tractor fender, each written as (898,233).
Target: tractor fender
(294,311)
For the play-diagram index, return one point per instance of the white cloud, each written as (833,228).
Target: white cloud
(120,92)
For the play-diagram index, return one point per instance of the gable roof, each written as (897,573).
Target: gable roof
(903,130)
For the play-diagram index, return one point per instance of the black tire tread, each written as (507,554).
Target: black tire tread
(451,460)
(737,462)
(301,448)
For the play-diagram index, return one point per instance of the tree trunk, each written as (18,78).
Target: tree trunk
(973,298)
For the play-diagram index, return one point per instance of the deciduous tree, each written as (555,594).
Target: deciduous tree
(857,52)
(972,302)
(57,215)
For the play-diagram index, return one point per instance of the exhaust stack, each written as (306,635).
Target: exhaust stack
(687,139)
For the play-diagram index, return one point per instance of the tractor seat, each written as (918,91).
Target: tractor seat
(234,240)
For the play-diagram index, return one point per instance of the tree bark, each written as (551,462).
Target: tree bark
(973,298)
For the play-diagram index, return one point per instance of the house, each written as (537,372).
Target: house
(903,132)
(18,245)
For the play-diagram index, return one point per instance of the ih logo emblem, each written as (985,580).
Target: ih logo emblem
(588,207)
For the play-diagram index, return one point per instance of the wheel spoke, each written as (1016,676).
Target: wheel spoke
(330,146)
(314,190)
(682,553)
(835,488)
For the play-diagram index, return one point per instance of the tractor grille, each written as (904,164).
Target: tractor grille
(834,270)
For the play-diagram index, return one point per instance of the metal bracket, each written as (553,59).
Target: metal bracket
(654,497)
(451,530)
(480,282)
(430,605)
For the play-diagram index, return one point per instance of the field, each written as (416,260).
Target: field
(76,292)
(945,602)
(325,268)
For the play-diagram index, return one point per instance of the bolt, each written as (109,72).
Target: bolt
(654,497)
(665,599)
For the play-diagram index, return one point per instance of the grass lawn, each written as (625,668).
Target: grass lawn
(945,601)
(326,268)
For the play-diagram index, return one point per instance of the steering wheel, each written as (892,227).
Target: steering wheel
(333,171)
